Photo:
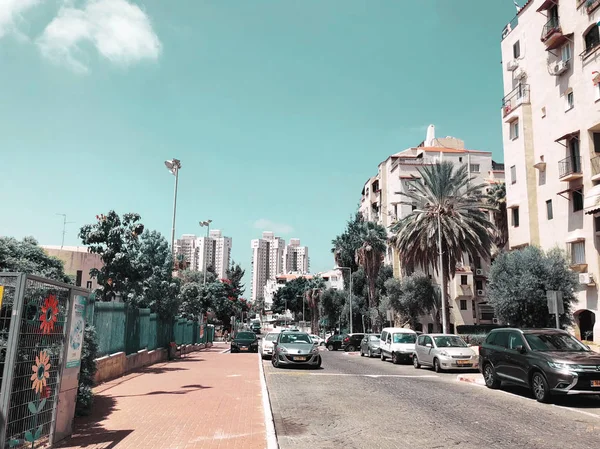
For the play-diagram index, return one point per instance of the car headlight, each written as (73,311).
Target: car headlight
(315,350)
(564,366)
(282,349)
(444,354)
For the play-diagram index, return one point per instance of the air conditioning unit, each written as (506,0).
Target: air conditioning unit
(586,278)
(520,73)
(479,272)
(480,293)
(512,65)
(495,320)
(559,67)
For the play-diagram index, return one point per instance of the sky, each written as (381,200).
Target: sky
(279,110)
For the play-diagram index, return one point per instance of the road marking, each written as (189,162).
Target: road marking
(235,375)
(374,376)
(593,415)
(269,423)
(225,351)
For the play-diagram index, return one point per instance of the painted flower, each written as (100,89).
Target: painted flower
(46,392)
(41,372)
(49,314)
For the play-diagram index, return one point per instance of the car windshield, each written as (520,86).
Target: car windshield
(246,335)
(271,337)
(295,338)
(449,341)
(374,337)
(404,337)
(314,337)
(554,342)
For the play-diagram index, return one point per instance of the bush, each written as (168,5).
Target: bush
(89,353)
(465,329)
(474,339)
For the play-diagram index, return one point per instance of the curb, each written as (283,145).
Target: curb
(476,381)
(269,423)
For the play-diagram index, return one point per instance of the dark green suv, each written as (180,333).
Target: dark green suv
(244,341)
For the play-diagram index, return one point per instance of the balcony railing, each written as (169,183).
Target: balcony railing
(551,27)
(569,166)
(592,5)
(589,50)
(518,96)
(595,166)
(509,27)
(416,161)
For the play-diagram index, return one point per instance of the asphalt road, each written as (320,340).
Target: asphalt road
(355,402)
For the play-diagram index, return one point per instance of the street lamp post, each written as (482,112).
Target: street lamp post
(207,224)
(173,166)
(349,294)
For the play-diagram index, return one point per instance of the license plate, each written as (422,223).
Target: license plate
(463,362)
(300,359)
(595,383)
(243,349)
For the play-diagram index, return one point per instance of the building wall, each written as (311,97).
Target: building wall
(267,261)
(77,258)
(536,154)
(203,252)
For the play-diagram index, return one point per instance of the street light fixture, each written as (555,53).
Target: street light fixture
(349,293)
(173,166)
(203,224)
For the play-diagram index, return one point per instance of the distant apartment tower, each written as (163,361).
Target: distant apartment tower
(202,253)
(267,261)
(295,258)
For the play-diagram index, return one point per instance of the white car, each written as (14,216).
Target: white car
(317,340)
(266,349)
(397,343)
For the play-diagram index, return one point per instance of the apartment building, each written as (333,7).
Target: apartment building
(295,258)
(551,130)
(383,202)
(77,263)
(267,261)
(212,252)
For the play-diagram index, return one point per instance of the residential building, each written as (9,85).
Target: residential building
(212,252)
(383,201)
(551,130)
(267,261)
(333,279)
(77,263)
(295,258)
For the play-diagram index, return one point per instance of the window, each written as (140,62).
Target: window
(549,212)
(413,206)
(475,168)
(516,49)
(577,196)
(513,174)
(565,52)
(592,39)
(597,223)
(474,309)
(597,91)
(597,141)
(478,285)
(464,279)
(544,112)
(88,284)
(514,129)
(569,101)
(501,339)
(463,304)
(578,253)
(460,159)
(515,340)
(429,328)
(515,217)
(78,278)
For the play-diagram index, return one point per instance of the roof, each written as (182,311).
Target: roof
(529,2)
(451,150)
(294,276)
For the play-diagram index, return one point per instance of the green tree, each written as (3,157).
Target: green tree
(194,300)
(450,204)
(291,294)
(115,239)
(26,256)
(188,276)
(332,304)
(235,274)
(312,297)
(518,283)
(347,244)
(496,198)
(370,256)
(412,297)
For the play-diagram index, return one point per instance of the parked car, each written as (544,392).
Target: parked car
(244,341)
(318,340)
(266,349)
(334,342)
(369,345)
(549,361)
(255,327)
(397,343)
(351,342)
(444,352)
(295,348)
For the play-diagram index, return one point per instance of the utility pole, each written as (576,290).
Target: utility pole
(65,223)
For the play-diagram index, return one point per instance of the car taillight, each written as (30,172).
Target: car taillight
(346,340)
(479,349)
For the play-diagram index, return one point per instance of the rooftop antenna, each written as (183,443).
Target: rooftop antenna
(65,223)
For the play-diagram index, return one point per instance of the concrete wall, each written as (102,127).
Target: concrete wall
(76,258)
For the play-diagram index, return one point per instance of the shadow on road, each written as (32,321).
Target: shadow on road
(564,401)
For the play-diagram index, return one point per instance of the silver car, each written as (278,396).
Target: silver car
(295,348)
(444,352)
(370,345)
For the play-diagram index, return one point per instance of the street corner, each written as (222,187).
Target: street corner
(474,378)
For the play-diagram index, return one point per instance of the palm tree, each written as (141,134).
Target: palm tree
(312,296)
(448,203)
(496,198)
(370,254)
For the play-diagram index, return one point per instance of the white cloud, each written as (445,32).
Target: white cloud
(119,30)
(278,228)
(11,15)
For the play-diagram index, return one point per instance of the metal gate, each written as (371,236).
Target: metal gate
(36,317)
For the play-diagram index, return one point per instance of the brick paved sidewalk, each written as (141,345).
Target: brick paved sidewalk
(207,400)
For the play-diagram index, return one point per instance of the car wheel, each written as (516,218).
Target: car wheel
(350,348)
(490,378)
(319,362)
(322,343)
(370,353)
(540,389)
(436,366)
(330,347)
(382,357)
(362,354)
(395,358)
(416,363)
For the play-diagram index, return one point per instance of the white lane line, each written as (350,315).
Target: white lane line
(269,423)
(374,376)
(593,415)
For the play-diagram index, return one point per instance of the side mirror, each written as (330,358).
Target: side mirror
(428,345)
(521,349)
(469,345)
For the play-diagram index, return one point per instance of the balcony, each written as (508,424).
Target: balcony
(570,169)
(509,27)
(592,5)
(518,96)
(595,168)
(552,34)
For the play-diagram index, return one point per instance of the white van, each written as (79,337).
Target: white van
(397,343)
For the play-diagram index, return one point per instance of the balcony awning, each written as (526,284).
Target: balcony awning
(568,136)
(547,5)
(560,41)
(591,201)
(575,236)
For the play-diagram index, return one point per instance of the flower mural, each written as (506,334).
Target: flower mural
(41,372)
(49,314)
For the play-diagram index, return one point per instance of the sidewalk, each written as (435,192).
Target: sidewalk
(205,400)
